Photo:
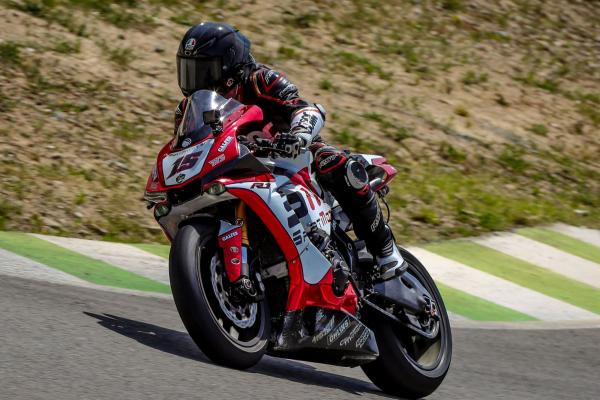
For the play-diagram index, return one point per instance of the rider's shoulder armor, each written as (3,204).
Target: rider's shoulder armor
(270,85)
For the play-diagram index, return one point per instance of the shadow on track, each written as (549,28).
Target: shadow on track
(180,344)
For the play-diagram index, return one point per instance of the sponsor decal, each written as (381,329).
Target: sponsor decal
(234,249)
(345,341)
(360,342)
(325,331)
(341,328)
(225,143)
(326,161)
(186,142)
(190,44)
(180,178)
(325,217)
(307,122)
(376,222)
(229,236)
(299,236)
(217,160)
(320,315)
(261,185)
(269,75)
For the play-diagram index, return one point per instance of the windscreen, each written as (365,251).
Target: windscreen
(193,128)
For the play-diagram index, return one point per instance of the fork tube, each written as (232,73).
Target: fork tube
(240,215)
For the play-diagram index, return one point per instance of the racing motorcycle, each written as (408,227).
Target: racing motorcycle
(261,258)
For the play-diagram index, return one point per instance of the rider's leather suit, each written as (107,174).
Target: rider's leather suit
(336,170)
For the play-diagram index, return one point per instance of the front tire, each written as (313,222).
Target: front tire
(236,342)
(402,368)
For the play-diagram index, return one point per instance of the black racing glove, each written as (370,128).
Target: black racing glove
(288,145)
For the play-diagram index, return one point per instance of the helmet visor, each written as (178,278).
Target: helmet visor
(198,73)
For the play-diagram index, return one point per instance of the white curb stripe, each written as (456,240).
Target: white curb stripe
(21,267)
(497,290)
(591,236)
(120,255)
(545,256)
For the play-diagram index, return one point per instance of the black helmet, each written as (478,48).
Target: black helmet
(211,56)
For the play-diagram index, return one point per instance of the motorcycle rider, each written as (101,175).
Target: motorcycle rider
(216,56)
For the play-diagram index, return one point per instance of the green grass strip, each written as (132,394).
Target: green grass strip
(476,308)
(563,242)
(520,272)
(161,250)
(86,268)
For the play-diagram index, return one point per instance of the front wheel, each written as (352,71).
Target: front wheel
(230,333)
(410,365)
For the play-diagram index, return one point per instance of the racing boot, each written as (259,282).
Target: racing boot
(369,225)
(390,263)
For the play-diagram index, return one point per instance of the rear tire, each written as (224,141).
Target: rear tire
(193,251)
(395,371)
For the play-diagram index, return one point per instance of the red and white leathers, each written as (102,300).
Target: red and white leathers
(337,171)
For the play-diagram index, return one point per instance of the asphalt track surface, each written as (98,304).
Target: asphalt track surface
(66,342)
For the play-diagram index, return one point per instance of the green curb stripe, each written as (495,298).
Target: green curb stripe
(161,250)
(89,269)
(520,272)
(476,308)
(563,242)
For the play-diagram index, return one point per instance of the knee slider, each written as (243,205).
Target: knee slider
(356,175)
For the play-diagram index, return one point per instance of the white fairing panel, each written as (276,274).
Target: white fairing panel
(369,157)
(185,164)
(298,210)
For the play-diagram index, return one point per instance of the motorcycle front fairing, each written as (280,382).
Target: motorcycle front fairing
(197,150)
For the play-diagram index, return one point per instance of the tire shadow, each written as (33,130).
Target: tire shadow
(181,344)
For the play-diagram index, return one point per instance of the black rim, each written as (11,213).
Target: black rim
(425,354)
(245,328)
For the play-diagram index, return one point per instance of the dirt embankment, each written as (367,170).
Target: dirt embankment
(491,110)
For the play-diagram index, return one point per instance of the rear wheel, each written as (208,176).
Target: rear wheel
(410,365)
(231,333)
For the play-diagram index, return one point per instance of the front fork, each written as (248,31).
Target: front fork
(240,218)
(233,240)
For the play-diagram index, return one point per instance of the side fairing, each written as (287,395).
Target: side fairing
(298,210)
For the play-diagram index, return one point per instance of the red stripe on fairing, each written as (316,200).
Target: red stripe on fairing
(300,294)
(308,197)
(321,295)
(283,239)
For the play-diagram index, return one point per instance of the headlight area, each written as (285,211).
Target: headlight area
(214,188)
(163,206)
(152,198)
(162,209)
